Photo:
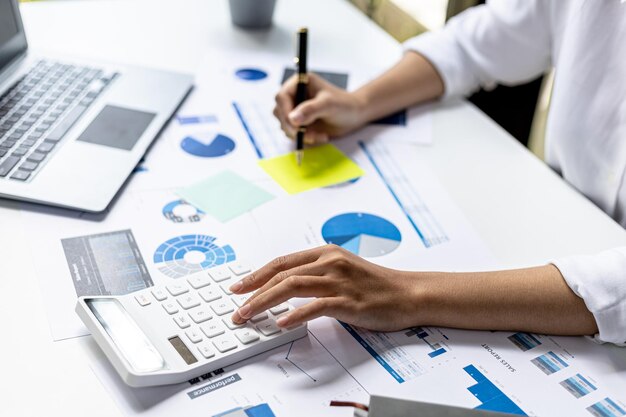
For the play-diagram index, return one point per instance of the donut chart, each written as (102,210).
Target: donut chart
(187,254)
(363,234)
(180,211)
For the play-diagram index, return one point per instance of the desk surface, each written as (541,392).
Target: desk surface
(524,212)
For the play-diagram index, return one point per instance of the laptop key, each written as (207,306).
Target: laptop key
(29,166)
(2,152)
(45,147)
(29,142)
(36,157)
(34,135)
(7,143)
(20,175)
(66,124)
(7,165)
(16,135)
(21,151)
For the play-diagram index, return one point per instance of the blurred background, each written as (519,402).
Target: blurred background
(520,110)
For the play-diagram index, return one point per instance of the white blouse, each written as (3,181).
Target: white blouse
(513,41)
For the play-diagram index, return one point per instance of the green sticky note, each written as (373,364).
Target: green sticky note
(225,196)
(322,166)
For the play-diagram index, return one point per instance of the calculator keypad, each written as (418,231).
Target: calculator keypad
(201,306)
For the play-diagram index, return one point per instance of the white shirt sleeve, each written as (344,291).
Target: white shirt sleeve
(600,280)
(503,41)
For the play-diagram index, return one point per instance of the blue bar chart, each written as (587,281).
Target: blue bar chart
(426,336)
(524,341)
(196,119)
(606,408)
(578,386)
(550,363)
(411,203)
(393,358)
(491,397)
(261,410)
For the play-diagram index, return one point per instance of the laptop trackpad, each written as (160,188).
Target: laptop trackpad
(117,127)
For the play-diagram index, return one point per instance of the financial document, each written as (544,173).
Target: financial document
(397,214)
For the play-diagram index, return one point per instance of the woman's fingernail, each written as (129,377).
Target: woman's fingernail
(282,321)
(244,311)
(295,117)
(236,286)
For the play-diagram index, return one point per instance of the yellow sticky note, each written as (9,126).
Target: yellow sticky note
(322,166)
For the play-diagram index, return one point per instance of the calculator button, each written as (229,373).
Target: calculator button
(212,328)
(224,344)
(247,336)
(143,299)
(188,301)
(280,308)
(159,294)
(241,299)
(220,274)
(226,287)
(194,335)
(199,280)
(206,350)
(268,328)
(171,307)
(222,307)
(182,321)
(209,294)
(239,268)
(259,317)
(232,326)
(177,289)
(200,314)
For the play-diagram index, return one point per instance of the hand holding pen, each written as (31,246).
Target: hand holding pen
(323,109)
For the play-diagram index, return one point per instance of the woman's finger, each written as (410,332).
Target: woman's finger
(283,263)
(294,286)
(285,97)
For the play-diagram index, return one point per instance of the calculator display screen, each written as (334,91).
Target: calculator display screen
(183,350)
(129,339)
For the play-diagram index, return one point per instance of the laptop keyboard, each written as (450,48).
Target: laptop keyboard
(39,109)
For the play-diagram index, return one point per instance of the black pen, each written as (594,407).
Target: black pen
(301,89)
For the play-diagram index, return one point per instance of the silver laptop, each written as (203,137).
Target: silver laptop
(71,132)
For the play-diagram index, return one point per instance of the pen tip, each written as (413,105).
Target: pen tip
(299,158)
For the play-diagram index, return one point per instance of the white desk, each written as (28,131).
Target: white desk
(525,213)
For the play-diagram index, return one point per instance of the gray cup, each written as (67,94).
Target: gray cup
(252,14)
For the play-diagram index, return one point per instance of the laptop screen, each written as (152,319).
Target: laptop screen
(12,38)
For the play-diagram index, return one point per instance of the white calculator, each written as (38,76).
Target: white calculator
(175,332)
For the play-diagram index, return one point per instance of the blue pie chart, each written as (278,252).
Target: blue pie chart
(251,74)
(363,234)
(208,146)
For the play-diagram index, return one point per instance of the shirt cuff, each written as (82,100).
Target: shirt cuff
(440,49)
(600,280)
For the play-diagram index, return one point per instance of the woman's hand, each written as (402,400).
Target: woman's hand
(345,286)
(330,111)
